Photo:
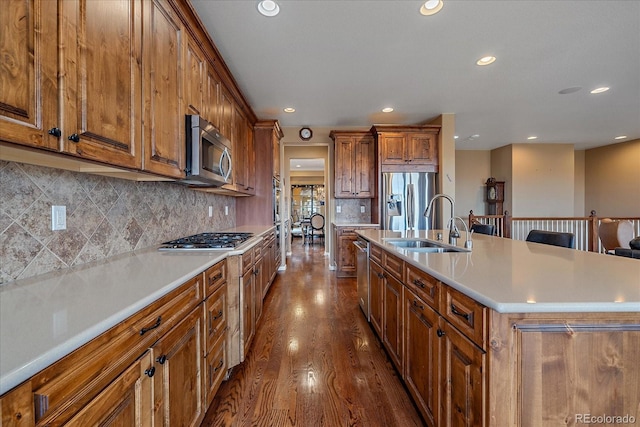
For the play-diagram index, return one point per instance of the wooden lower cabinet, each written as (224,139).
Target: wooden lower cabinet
(177,356)
(393,325)
(463,381)
(125,402)
(376,292)
(422,356)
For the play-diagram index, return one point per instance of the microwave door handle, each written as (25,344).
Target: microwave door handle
(226,174)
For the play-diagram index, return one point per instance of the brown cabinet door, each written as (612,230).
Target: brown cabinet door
(344,170)
(125,402)
(346,254)
(376,291)
(392,149)
(463,382)
(421,149)
(260,272)
(248,310)
(393,321)
(194,78)
(29,73)
(102,77)
(226,111)
(422,356)
(178,381)
(164,147)
(365,158)
(211,95)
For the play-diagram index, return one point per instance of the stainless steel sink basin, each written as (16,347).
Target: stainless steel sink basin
(425,246)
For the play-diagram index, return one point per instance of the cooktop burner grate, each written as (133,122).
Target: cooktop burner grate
(207,241)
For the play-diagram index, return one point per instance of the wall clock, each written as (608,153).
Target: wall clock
(306,133)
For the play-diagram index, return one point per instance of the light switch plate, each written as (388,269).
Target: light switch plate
(58,218)
(361,209)
(338,209)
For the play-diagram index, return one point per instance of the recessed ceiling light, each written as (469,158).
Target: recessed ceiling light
(289,110)
(431,7)
(486,60)
(475,136)
(387,110)
(455,137)
(569,90)
(268,8)
(621,137)
(532,137)
(600,90)
(298,166)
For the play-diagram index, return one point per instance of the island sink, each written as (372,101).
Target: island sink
(422,245)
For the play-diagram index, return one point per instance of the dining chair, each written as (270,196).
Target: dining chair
(316,228)
(488,229)
(555,238)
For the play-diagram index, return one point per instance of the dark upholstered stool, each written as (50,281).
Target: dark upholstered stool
(629,253)
(555,238)
(489,229)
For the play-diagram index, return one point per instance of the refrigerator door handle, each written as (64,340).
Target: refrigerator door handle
(410,207)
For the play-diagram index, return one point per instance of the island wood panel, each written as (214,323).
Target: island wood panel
(547,368)
(29,82)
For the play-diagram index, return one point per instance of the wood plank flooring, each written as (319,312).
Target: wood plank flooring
(314,360)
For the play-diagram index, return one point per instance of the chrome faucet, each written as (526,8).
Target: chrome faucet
(468,244)
(453,230)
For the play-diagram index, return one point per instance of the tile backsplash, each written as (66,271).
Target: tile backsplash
(105,217)
(350,211)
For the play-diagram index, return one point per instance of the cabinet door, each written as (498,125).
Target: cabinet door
(346,254)
(248,310)
(164,146)
(250,164)
(125,402)
(29,73)
(422,149)
(365,157)
(463,381)
(392,150)
(226,111)
(344,170)
(376,287)
(261,276)
(422,352)
(194,78)
(212,98)
(393,321)
(178,381)
(102,77)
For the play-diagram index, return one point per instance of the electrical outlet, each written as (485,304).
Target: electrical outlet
(210,211)
(361,209)
(338,209)
(226,210)
(58,218)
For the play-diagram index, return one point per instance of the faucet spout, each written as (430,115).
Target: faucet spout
(427,213)
(468,244)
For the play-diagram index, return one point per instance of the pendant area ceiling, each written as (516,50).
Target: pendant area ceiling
(339,63)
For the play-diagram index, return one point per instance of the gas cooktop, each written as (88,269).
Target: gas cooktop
(206,242)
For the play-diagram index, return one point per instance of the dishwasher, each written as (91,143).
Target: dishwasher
(362,265)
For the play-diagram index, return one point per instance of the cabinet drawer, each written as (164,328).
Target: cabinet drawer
(467,315)
(214,277)
(375,253)
(247,260)
(214,369)
(215,317)
(425,286)
(68,385)
(394,265)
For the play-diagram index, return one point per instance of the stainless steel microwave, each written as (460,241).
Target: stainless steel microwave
(208,159)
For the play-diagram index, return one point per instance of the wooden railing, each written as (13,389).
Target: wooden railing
(584,228)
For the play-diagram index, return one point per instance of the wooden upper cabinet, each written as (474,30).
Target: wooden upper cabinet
(102,76)
(28,75)
(407,148)
(164,147)
(355,165)
(211,97)
(226,110)
(194,78)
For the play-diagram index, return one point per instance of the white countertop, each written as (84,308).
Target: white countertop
(46,317)
(354,224)
(512,276)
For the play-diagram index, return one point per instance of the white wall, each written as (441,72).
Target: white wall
(473,167)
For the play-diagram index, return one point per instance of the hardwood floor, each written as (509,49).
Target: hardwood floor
(314,360)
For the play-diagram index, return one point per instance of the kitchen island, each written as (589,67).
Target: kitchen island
(509,333)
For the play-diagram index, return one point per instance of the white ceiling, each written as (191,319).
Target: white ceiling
(340,62)
(306,164)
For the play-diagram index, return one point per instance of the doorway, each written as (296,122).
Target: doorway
(307,200)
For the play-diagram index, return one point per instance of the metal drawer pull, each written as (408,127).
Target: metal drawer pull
(418,283)
(217,316)
(162,359)
(420,306)
(155,325)
(455,311)
(214,278)
(440,333)
(219,365)
(149,372)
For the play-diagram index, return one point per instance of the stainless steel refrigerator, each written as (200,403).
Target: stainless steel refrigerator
(405,197)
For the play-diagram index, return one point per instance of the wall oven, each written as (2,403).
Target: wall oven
(208,159)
